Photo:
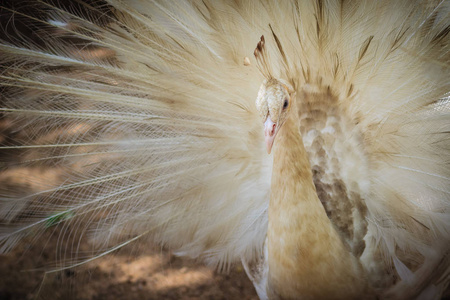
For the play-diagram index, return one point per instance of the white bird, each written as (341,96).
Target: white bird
(143,114)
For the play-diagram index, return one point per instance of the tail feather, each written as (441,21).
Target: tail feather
(149,143)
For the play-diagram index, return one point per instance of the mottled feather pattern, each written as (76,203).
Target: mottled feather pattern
(338,162)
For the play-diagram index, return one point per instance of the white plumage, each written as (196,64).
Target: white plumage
(144,113)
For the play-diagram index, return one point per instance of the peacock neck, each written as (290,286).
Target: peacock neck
(303,247)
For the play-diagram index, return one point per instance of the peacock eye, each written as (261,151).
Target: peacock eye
(286,103)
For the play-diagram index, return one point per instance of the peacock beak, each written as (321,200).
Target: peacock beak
(270,131)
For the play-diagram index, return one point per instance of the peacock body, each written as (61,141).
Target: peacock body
(141,117)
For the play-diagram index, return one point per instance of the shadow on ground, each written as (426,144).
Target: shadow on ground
(136,272)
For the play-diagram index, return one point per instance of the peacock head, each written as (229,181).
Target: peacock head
(273,103)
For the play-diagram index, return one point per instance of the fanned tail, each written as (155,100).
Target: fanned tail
(135,119)
(149,129)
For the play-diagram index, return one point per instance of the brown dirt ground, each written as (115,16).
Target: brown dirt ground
(137,272)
